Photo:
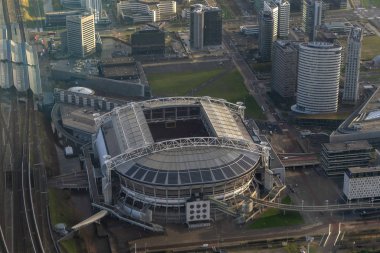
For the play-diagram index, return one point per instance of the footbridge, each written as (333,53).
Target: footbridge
(317,208)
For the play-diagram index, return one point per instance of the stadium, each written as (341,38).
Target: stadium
(177,160)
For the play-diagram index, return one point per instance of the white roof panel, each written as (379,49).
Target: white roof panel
(131,128)
(221,119)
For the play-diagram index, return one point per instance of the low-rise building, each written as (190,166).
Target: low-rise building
(149,40)
(250,29)
(135,12)
(337,157)
(362,183)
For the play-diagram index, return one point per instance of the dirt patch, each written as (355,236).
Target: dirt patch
(283,143)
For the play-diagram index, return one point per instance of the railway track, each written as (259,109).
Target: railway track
(20,224)
(29,209)
(3,244)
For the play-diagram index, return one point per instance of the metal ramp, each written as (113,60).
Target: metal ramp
(90,220)
(223,207)
(117,213)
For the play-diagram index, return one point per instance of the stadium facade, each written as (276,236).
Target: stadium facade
(177,160)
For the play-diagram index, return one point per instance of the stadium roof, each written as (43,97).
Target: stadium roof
(196,165)
(131,127)
(221,120)
(132,131)
(126,130)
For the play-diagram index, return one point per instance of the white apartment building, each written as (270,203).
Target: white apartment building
(318,78)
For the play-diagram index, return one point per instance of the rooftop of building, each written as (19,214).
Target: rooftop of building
(356,170)
(321,45)
(364,120)
(337,24)
(78,118)
(119,67)
(201,7)
(112,68)
(287,45)
(347,146)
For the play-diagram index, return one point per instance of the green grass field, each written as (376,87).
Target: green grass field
(277,218)
(71,246)
(60,212)
(227,12)
(370,3)
(178,84)
(231,87)
(370,47)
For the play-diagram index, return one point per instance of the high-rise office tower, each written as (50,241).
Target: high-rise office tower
(318,78)
(94,7)
(283,18)
(284,68)
(268,29)
(80,35)
(351,85)
(311,17)
(205,26)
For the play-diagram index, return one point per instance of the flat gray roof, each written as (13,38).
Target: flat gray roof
(78,118)
(365,120)
(347,146)
(363,169)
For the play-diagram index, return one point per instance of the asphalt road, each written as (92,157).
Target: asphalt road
(250,80)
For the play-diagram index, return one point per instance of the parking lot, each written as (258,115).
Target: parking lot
(311,187)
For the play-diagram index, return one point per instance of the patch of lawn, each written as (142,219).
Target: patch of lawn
(178,84)
(70,246)
(60,212)
(370,47)
(265,67)
(370,3)
(227,12)
(231,87)
(277,218)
